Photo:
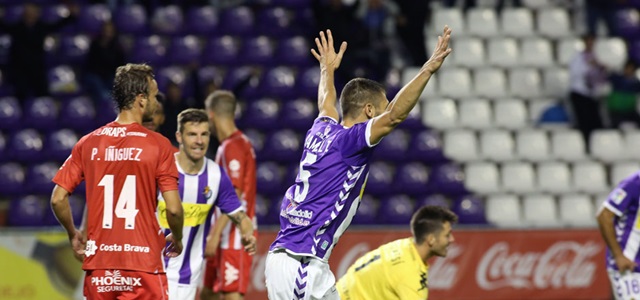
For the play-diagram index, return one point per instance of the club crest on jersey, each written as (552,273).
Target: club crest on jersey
(207,192)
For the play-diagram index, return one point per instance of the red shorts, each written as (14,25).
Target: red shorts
(123,284)
(228,271)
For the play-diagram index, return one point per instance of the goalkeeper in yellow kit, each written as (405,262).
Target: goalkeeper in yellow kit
(398,270)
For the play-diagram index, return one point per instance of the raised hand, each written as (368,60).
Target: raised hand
(441,51)
(326,54)
(175,247)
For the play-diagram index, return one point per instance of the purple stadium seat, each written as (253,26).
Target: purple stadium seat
(262,209)
(59,144)
(263,113)
(202,20)
(5,89)
(396,209)
(3,148)
(413,121)
(78,114)
(150,49)
(63,81)
(26,146)
(394,146)
(209,74)
(412,178)
(426,146)
(41,113)
(73,49)
(38,180)
(367,211)
(295,51)
(28,211)
(291,173)
(257,141)
(237,75)
(627,23)
(269,178)
(470,210)
(184,50)
(447,179)
(221,51)
(5,44)
(108,112)
(634,50)
(274,209)
(92,17)
(177,75)
(237,21)
(131,19)
(380,178)
(53,13)
(12,177)
(435,199)
(292,3)
(278,82)
(77,203)
(307,83)
(167,20)
(393,83)
(283,145)
(258,50)
(13,14)
(274,22)
(10,113)
(299,114)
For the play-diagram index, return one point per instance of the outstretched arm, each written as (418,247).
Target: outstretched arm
(329,61)
(398,109)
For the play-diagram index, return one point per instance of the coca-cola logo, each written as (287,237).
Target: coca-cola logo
(443,271)
(567,264)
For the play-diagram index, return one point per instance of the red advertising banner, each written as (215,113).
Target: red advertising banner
(483,265)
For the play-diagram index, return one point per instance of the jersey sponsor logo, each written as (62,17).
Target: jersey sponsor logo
(135,133)
(299,217)
(90,248)
(194,213)
(115,282)
(234,165)
(113,131)
(123,248)
(424,283)
(618,195)
(231,273)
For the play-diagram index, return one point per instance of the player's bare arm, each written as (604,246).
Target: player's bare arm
(246,229)
(329,61)
(213,238)
(406,99)
(62,211)
(175,218)
(606,224)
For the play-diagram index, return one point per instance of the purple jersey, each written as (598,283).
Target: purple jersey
(318,208)
(623,202)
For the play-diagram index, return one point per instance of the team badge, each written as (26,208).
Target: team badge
(207,192)
(618,195)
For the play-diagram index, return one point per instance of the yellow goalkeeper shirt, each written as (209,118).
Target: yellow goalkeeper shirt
(393,271)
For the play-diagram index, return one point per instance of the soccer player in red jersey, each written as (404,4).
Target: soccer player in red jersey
(123,165)
(228,266)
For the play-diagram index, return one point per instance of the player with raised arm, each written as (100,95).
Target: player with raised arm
(398,270)
(228,266)
(319,207)
(124,165)
(202,185)
(618,222)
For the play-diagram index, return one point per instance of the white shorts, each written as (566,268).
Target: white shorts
(299,278)
(179,291)
(625,286)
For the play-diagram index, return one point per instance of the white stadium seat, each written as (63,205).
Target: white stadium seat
(607,145)
(553,22)
(554,177)
(622,170)
(524,83)
(430,91)
(567,49)
(469,52)
(448,16)
(611,52)
(482,177)
(540,210)
(489,82)
(537,4)
(503,52)
(533,145)
(632,144)
(568,145)
(475,114)
(516,22)
(504,210)
(518,177)
(536,52)
(590,177)
(454,83)
(440,113)
(577,210)
(460,145)
(537,106)
(556,82)
(510,114)
(482,22)
(497,145)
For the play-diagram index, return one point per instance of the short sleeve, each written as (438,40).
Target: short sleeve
(167,172)
(356,139)
(227,201)
(71,173)
(234,163)
(624,195)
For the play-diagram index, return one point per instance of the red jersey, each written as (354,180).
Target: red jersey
(237,157)
(123,167)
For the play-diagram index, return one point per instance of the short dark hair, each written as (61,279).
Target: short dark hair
(221,102)
(357,93)
(429,219)
(131,80)
(191,115)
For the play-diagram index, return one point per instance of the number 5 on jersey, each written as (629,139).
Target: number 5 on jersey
(304,175)
(126,205)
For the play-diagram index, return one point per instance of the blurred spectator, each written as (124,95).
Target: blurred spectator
(587,77)
(26,67)
(414,14)
(104,57)
(622,102)
(377,17)
(174,103)
(156,121)
(466,4)
(601,9)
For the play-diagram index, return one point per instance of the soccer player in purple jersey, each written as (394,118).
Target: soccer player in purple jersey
(319,206)
(618,220)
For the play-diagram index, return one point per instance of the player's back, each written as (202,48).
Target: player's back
(318,208)
(237,156)
(124,165)
(392,271)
